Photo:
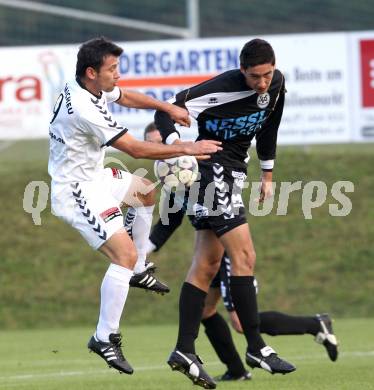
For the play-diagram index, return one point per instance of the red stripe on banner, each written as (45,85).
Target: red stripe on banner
(164,81)
(367,72)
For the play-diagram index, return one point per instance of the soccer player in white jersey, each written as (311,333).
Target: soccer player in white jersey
(88,196)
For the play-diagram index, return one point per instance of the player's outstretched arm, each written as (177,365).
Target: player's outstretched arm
(136,99)
(143,149)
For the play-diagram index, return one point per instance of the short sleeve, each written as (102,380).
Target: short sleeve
(113,96)
(105,128)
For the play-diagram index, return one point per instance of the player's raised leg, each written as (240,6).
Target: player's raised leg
(206,262)
(275,323)
(141,201)
(239,247)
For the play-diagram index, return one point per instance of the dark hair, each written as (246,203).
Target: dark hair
(256,52)
(149,128)
(92,53)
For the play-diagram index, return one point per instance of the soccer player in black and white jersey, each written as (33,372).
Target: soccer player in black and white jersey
(233,107)
(273,323)
(88,196)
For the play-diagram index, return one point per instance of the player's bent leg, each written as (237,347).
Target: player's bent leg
(239,247)
(120,249)
(141,199)
(326,336)
(141,193)
(114,289)
(275,323)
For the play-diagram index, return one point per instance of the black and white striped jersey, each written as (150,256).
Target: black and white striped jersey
(226,109)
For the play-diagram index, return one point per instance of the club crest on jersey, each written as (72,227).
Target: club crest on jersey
(263,100)
(213,100)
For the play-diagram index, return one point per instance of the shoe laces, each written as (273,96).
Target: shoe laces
(118,351)
(116,345)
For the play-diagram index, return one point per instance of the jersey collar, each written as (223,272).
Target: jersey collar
(78,80)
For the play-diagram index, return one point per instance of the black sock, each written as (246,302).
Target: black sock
(191,304)
(244,298)
(218,332)
(275,323)
(161,233)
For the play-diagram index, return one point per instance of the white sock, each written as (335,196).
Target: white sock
(150,247)
(141,228)
(114,289)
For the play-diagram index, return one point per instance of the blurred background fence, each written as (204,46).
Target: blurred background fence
(218,18)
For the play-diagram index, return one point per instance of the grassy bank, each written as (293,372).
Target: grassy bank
(50,277)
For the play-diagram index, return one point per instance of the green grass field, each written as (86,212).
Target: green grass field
(58,360)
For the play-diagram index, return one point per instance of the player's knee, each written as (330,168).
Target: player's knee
(244,261)
(210,274)
(201,273)
(248,256)
(152,197)
(251,255)
(204,276)
(127,259)
(212,267)
(149,197)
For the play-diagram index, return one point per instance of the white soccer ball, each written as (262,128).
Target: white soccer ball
(178,170)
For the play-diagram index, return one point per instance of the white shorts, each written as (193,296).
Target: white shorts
(93,207)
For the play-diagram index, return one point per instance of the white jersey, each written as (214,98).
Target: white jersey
(80,130)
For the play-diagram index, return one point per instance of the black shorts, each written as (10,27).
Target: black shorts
(219,206)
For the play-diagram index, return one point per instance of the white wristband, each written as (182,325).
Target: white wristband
(267,164)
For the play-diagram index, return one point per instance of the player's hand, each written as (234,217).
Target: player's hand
(202,149)
(179,115)
(178,141)
(235,323)
(266,186)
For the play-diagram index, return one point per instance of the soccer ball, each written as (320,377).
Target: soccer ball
(178,170)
